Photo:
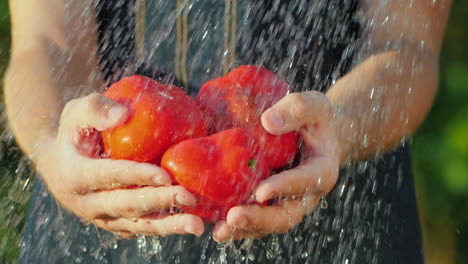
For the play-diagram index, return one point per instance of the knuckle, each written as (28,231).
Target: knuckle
(132,227)
(86,211)
(322,100)
(157,200)
(159,204)
(91,215)
(145,226)
(103,178)
(68,108)
(157,228)
(70,187)
(126,209)
(299,103)
(108,205)
(88,171)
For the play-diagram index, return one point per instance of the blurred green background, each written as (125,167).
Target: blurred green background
(440,154)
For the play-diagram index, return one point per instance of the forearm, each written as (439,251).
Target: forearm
(50,64)
(36,88)
(32,102)
(382,101)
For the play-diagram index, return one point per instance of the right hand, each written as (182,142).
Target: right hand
(94,188)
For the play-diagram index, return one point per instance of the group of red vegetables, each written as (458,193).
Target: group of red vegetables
(215,146)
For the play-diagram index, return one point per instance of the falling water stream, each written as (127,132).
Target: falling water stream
(310,45)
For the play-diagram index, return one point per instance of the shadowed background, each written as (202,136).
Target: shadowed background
(439,150)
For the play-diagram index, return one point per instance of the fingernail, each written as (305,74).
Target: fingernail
(161,177)
(274,119)
(116,113)
(242,222)
(216,238)
(262,195)
(191,230)
(259,198)
(162,180)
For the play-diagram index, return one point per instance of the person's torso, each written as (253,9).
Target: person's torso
(307,43)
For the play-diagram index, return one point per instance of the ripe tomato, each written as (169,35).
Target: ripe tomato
(221,169)
(161,116)
(239,99)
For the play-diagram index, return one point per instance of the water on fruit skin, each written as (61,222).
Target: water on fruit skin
(334,232)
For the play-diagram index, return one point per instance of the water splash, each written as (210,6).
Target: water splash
(323,203)
(359,195)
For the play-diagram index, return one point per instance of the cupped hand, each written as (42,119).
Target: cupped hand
(123,197)
(297,191)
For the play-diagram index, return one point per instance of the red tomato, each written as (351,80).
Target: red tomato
(161,116)
(239,99)
(222,169)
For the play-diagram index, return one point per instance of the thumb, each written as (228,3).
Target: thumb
(296,110)
(93,111)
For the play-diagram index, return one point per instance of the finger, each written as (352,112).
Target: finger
(295,111)
(92,111)
(101,174)
(278,218)
(224,232)
(317,175)
(162,226)
(133,203)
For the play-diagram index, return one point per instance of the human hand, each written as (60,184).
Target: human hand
(123,197)
(298,190)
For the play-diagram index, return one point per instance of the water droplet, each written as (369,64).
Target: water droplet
(365,141)
(385,20)
(251,256)
(156,246)
(222,256)
(323,203)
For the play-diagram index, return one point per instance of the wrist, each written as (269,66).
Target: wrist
(341,125)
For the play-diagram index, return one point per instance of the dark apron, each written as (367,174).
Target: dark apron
(371,215)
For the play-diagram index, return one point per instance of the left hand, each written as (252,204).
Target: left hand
(299,189)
